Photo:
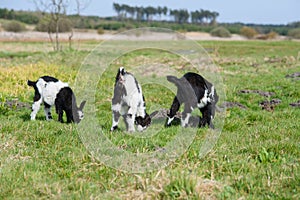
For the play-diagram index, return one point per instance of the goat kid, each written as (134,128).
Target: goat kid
(51,91)
(194,92)
(128,101)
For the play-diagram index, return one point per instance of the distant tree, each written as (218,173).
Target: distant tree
(131,11)
(149,12)
(198,16)
(118,9)
(4,13)
(159,11)
(139,13)
(57,10)
(214,16)
(165,10)
(125,9)
(180,16)
(195,16)
(204,17)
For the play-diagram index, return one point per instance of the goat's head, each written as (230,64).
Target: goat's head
(143,122)
(120,75)
(78,112)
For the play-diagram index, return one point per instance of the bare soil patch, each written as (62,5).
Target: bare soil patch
(294,76)
(262,93)
(269,105)
(295,104)
(93,35)
(16,104)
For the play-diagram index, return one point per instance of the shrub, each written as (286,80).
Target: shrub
(269,36)
(220,32)
(14,26)
(294,33)
(100,31)
(272,35)
(27,18)
(48,25)
(112,26)
(248,32)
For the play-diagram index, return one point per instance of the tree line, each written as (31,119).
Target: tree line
(22,16)
(148,13)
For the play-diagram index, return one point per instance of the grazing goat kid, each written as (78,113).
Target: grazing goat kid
(194,92)
(50,91)
(128,101)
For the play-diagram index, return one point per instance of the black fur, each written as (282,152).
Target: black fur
(64,99)
(49,79)
(193,91)
(144,122)
(132,108)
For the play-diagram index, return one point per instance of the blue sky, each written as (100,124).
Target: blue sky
(254,11)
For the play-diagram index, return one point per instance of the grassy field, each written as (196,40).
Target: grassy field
(257,155)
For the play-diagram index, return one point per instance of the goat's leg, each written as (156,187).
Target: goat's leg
(186,114)
(60,112)
(47,110)
(173,110)
(207,116)
(35,107)
(60,115)
(115,116)
(130,118)
(69,114)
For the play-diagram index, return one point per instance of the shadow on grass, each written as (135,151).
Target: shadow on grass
(26,117)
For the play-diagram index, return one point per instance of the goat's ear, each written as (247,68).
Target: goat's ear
(82,105)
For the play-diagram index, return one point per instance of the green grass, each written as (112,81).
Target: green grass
(256,156)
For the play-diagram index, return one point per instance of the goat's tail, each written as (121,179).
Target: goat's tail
(31,83)
(173,79)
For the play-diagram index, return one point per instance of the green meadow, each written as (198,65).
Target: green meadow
(256,154)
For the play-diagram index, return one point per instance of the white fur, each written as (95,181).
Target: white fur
(185,122)
(170,119)
(48,92)
(203,102)
(116,107)
(80,114)
(132,103)
(140,128)
(35,108)
(212,93)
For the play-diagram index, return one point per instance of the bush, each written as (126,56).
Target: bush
(248,32)
(294,33)
(272,35)
(14,26)
(100,31)
(48,25)
(27,18)
(112,26)
(269,36)
(220,32)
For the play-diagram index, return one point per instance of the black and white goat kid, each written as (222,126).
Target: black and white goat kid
(128,101)
(194,92)
(51,91)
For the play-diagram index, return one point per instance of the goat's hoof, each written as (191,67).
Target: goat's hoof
(113,128)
